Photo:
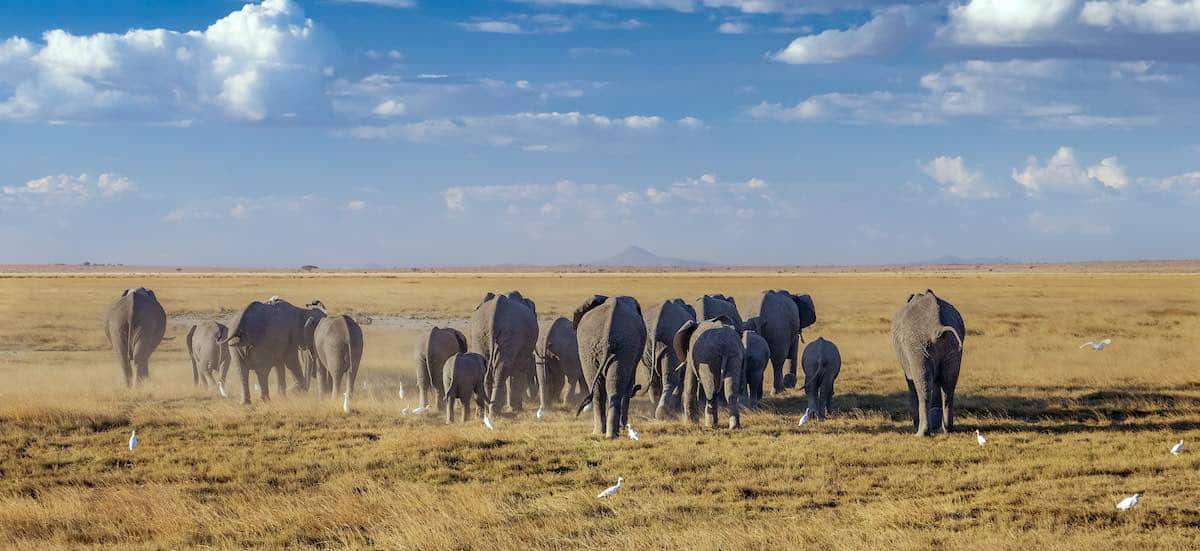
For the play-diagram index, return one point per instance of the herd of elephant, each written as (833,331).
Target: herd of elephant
(693,356)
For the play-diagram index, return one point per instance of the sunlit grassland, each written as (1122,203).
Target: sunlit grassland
(1071,431)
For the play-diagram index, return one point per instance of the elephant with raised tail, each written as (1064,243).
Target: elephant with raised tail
(557,363)
(336,352)
(209,353)
(713,369)
(781,320)
(430,354)
(134,325)
(927,336)
(272,335)
(612,336)
(504,331)
(661,364)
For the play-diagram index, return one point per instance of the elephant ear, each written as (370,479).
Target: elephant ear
(689,309)
(151,293)
(723,319)
(637,305)
(462,340)
(587,306)
(683,339)
(808,310)
(532,306)
(125,292)
(910,297)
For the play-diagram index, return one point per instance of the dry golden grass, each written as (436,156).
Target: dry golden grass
(1071,431)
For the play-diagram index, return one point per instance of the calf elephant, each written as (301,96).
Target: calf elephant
(782,317)
(209,353)
(463,377)
(663,320)
(337,348)
(272,335)
(557,363)
(822,363)
(754,362)
(927,336)
(504,330)
(713,369)
(612,336)
(710,307)
(430,354)
(134,325)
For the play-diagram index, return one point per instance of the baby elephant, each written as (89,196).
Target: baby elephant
(822,362)
(462,375)
(209,353)
(337,349)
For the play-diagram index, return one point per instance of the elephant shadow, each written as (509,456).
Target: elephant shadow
(1062,410)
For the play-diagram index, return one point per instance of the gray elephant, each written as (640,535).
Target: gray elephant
(336,352)
(134,325)
(754,361)
(272,335)
(612,336)
(557,363)
(822,362)
(430,354)
(927,336)
(782,317)
(463,377)
(209,353)
(713,369)
(504,330)
(710,307)
(661,365)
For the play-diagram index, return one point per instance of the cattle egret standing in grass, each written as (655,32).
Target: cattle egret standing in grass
(404,411)
(133,440)
(540,413)
(633,434)
(1096,345)
(979,438)
(803,419)
(487,422)
(221,389)
(1129,502)
(1177,448)
(611,489)
(346,403)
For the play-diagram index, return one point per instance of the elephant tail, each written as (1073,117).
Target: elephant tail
(192,355)
(947,329)
(600,374)
(424,361)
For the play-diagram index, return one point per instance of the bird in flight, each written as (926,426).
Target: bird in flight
(1129,502)
(1096,345)
(611,489)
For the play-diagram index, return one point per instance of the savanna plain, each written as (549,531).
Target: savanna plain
(1071,431)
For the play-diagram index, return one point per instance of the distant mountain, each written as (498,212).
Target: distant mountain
(968,260)
(641,258)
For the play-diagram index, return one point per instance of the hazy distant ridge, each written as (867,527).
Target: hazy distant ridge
(639,257)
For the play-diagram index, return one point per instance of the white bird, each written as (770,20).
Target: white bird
(133,440)
(274,298)
(404,411)
(540,413)
(611,489)
(803,419)
(221,389)
(346,403)
(1096,345)
(419,410)
(1177,448)
(633,434)
(1129,502)
(585,408)
(487,422)
(401,390)
(979,438)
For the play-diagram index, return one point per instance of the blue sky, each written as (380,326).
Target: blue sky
(396,132)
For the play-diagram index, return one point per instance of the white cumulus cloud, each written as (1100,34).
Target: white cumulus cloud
(67,190)
(887,31)
(1062,173)
(956,179)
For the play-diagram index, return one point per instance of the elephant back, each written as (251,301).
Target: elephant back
(921,319)
(709,307)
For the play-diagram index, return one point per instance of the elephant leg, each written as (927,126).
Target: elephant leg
(948,382)
(423,387)
(947,410)
(123,360)
(141,364)
(264,388)
(293,364)
(337,384)
(353,378)
(913,404)
(710,413)
(777,375)
(599,399)
(281,378)
(244,375)
(789,379)
(450,410)
(812,391)
(196,372)
(690,396)
(756,387)
(498,394)
(466,408)
(924,387)
(826,397)
(732,384)
(225,361)
(616,398)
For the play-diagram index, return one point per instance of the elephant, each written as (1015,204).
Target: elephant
(754,364)
(336,351)
(209,353)
(927,336)
(463,376)
(612,333)
(272,335)
(504,330)
(430,354)
(782,318)
(713,368)
(557,362)
(822,362)
(134,325)
(663,320)
(710,307)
